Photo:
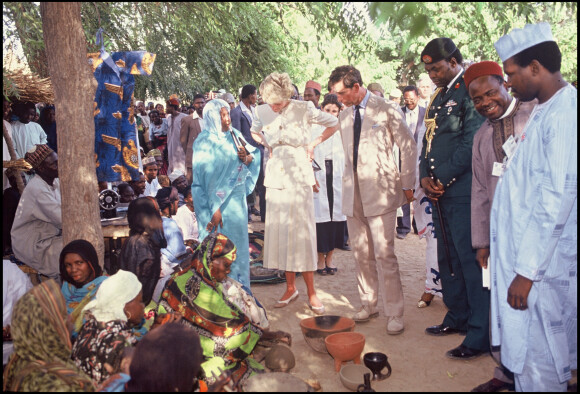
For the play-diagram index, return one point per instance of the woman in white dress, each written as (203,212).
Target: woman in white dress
(290,236)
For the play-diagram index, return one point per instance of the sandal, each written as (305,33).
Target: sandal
(322,271)
(425,300)
(331,271)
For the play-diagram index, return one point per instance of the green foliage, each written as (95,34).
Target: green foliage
(22,20)
(207,46)
(474,27)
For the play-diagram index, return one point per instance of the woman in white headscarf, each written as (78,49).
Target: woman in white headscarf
(290,237)
(117,307)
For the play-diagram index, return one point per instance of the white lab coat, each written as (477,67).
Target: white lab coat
(332,147)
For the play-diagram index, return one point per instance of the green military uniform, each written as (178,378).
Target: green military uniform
(447,157)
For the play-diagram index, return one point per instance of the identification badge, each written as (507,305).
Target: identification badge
(509,146)
(498,169)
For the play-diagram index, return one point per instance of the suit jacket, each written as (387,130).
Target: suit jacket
(190,129)
(380,182)
(451,148)
(420,120)
(243,122)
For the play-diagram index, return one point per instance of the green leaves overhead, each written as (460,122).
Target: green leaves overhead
(206,46)
(474,27)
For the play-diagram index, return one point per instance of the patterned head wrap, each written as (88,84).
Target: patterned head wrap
(314,85)
(115,291)
(36,155)
(87,252)
(214,246)
(148,160)
(154,153)
(40,335)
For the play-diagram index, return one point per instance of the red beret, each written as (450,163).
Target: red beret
(313,85)
(480,69)
(173,101)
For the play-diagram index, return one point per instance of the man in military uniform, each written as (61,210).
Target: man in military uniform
(445,171)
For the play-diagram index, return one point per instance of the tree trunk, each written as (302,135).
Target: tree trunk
(74,91)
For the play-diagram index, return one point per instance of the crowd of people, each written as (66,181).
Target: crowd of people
(479,160)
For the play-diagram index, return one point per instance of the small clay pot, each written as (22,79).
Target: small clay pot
(345,346)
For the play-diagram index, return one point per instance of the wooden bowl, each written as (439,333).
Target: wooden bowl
(316,329)
(345,346)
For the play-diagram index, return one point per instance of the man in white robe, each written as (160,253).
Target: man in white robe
(25,132)
(175,152)
(534,221)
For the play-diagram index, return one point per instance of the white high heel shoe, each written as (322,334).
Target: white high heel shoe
(318,310)
(282,304)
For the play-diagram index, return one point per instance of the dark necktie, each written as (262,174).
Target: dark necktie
(356,129)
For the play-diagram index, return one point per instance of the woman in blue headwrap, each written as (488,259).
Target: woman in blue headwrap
(225,171)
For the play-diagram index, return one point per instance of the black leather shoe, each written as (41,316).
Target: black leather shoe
(442,330)
(493,386)
(462,352)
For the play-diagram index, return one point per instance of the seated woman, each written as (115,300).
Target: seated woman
(82,275)
(141,252)
(117,307)
(228,335)
(41,361)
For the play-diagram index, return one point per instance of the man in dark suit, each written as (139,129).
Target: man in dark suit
(445,171)
(242,117)
(414,115)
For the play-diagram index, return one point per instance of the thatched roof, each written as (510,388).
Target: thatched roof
(30,87)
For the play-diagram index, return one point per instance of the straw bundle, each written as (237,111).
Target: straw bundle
(31,87)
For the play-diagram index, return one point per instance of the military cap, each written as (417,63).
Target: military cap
(438,49)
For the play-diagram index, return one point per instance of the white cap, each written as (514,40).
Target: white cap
(175,174)
(519,40)
(396,93)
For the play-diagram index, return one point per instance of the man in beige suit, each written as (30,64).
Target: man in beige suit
(369,126)
(190,129)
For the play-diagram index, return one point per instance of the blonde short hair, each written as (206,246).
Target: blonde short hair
(276,88)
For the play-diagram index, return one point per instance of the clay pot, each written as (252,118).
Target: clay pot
(345,346)
(352,375)
(316,329)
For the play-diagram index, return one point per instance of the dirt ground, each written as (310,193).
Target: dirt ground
(418,360)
